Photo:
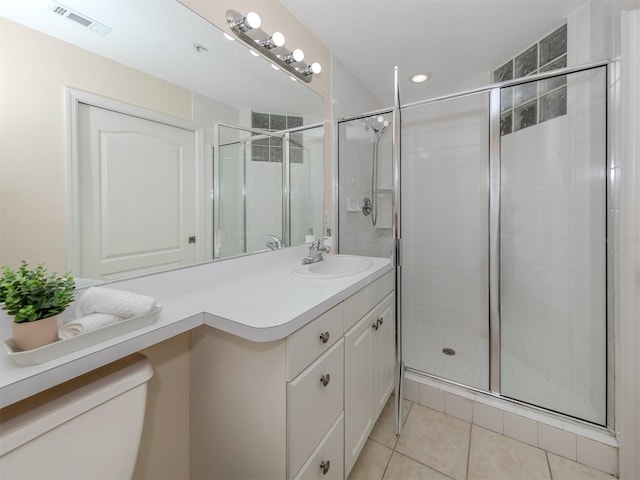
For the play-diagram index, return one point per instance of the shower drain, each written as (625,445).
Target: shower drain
(448,351)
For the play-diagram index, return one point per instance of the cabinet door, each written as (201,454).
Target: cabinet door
(384,347)
(358,385)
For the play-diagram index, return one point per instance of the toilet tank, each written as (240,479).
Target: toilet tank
(87,428)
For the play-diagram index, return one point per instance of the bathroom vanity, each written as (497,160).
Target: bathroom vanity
(290,408)
(287,374)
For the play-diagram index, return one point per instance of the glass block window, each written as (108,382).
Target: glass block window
(531,103)
(270,149)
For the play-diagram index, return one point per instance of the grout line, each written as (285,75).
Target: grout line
(469,450)
(546,456)
(425,465)
(386,467)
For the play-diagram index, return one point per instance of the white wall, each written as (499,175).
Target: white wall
(349,95)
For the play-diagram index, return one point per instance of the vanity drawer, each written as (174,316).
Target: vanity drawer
(312,340)
(314,401)
(360,303)
(327,460)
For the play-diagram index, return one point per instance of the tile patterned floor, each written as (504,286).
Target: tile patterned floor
(435,446)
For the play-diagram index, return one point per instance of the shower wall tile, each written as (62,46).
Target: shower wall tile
(458,407)
(446,233)
(411,390)
(557,441)
(488,417)
(432,397)
(521,428)
(597,455)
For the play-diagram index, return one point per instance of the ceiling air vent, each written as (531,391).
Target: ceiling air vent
(83,20)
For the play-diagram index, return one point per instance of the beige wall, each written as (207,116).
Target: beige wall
(164,447)
(34,71)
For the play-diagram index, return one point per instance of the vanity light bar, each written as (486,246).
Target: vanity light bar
(271,46)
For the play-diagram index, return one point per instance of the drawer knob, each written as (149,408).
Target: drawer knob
(324,379)
(324,337)
(324,467)
(377,323)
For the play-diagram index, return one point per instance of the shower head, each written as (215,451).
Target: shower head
(376,124)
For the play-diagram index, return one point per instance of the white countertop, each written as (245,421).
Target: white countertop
(254,297)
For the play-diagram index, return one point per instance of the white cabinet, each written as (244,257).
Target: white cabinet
(358,388)
(384,353)
(280,409)
(314,401)
(369,363)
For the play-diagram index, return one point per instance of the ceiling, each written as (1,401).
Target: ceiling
(457,41)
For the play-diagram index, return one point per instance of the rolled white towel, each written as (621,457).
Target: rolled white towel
(87,323)
(116,302)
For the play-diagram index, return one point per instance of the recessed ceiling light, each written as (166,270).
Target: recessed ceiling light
(420,77)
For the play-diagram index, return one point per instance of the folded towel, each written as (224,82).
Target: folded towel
(87,323)
(116,302)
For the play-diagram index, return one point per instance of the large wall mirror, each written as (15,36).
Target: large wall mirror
(137,137)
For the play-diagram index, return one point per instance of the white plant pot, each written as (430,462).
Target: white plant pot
(30,335)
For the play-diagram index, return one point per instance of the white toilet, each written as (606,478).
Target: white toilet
(87,428)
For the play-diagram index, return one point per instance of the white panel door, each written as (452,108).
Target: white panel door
(384,353)
(358,389)
(137,200)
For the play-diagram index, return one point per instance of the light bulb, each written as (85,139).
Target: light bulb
(296,56)
(275,40)
(312,69)
(252,20)
(249,22)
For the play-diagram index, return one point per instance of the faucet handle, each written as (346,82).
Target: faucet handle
(314,246)
(276,244)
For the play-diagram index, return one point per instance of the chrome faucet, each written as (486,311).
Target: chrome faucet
(315,253)
(276,244)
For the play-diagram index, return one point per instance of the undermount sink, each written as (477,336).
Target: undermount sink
(333,266)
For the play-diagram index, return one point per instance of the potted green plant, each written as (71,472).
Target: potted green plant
(34,297)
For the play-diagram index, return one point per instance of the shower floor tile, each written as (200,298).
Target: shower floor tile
(424,342)
(434,446)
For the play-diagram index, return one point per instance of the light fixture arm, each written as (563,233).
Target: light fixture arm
(285,59)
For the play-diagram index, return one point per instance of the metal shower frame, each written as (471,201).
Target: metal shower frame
(494,219)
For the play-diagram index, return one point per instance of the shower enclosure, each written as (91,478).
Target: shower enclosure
(266,183)
(365,186)
(503,273)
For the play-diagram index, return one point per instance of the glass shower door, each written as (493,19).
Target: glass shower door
(553,244)
(445,201)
